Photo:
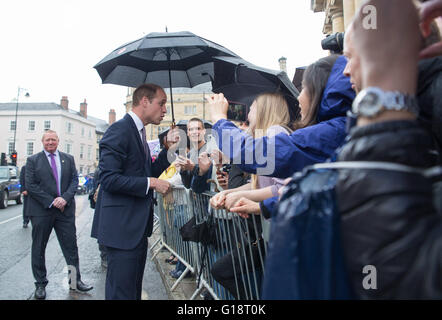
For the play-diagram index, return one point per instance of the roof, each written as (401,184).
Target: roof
(100,125)
(30,106)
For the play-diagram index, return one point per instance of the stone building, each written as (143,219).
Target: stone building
(77,131)
(338,13)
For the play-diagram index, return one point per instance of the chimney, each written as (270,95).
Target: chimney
(283,64)
(64,102)
(112,116)
(83,109)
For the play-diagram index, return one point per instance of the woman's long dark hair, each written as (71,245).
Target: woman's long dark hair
(314,81)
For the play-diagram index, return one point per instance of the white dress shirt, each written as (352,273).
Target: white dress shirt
(140,126)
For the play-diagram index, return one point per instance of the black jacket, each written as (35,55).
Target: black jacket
(387,217)
(430,99)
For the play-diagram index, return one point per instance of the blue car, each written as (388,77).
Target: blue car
(9,186)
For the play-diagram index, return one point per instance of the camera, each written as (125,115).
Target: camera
(226,168)
(334,43)
(237,111)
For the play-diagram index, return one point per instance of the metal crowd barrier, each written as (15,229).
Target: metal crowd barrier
(239,253)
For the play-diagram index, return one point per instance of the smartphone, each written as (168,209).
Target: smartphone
(237,111)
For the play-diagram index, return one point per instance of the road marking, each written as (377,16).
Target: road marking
(11,219)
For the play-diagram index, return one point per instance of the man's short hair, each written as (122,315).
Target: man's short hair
(148,90)
(48,131)
(195,119)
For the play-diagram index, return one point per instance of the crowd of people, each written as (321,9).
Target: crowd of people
(371,117)
(389,215)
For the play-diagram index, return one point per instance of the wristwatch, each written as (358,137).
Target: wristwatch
(372,101)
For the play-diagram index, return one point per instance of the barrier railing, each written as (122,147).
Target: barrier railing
(233,267)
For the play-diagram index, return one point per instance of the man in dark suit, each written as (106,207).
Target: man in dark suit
(25,196)
(124,211)
(51,181)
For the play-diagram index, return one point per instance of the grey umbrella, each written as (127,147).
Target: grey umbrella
(170,60)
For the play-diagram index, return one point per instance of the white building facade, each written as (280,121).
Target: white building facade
(77,134)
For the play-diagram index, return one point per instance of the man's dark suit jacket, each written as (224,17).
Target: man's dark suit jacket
(42,188)
(124,211)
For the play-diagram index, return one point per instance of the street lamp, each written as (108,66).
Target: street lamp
(16,111)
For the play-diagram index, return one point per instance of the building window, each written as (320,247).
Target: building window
(189,110)
(68,148)
(90,134)
(69,127)
(47,125)
(81,151)
(81,169)
(12,125)
(168,110)
(82,132)
(11,147)
(97,154)
(31,125)
(30,148)
(89,152)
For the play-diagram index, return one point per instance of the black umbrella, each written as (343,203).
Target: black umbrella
(297,78)
(241,81)
(170,60)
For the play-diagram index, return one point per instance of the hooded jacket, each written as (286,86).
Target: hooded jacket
(282,155)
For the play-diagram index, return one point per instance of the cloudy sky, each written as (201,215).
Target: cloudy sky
(50,47)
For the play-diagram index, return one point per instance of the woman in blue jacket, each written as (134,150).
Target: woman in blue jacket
(319,133)
(305,146)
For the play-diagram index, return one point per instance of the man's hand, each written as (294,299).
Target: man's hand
(204,163)
(428,12)
(59,203)
(184,163)
(218,107)
(217,201)
(244,207)
(25,193)
(232,199)
(160,186)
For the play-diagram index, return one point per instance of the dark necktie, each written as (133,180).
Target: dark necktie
(54,171)
(145,146)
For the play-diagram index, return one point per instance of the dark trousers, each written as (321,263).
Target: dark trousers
(25,209)
(65,230)
(125,270)
(230,270)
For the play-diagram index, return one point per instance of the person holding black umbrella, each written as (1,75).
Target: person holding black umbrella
(123,217)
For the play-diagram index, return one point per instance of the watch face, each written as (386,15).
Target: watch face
(370,104)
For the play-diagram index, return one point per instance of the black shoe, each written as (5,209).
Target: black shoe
(25,225)
(81,286)
(40,293)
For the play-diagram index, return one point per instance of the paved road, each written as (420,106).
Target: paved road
(17,282)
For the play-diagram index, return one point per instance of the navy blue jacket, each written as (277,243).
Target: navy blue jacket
(124,212)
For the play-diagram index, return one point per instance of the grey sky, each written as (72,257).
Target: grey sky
(50,47)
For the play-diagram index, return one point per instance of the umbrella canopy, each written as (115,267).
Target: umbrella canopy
(297,78)
(170,60)
(241,81)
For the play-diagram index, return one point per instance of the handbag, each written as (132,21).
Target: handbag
(204,232)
